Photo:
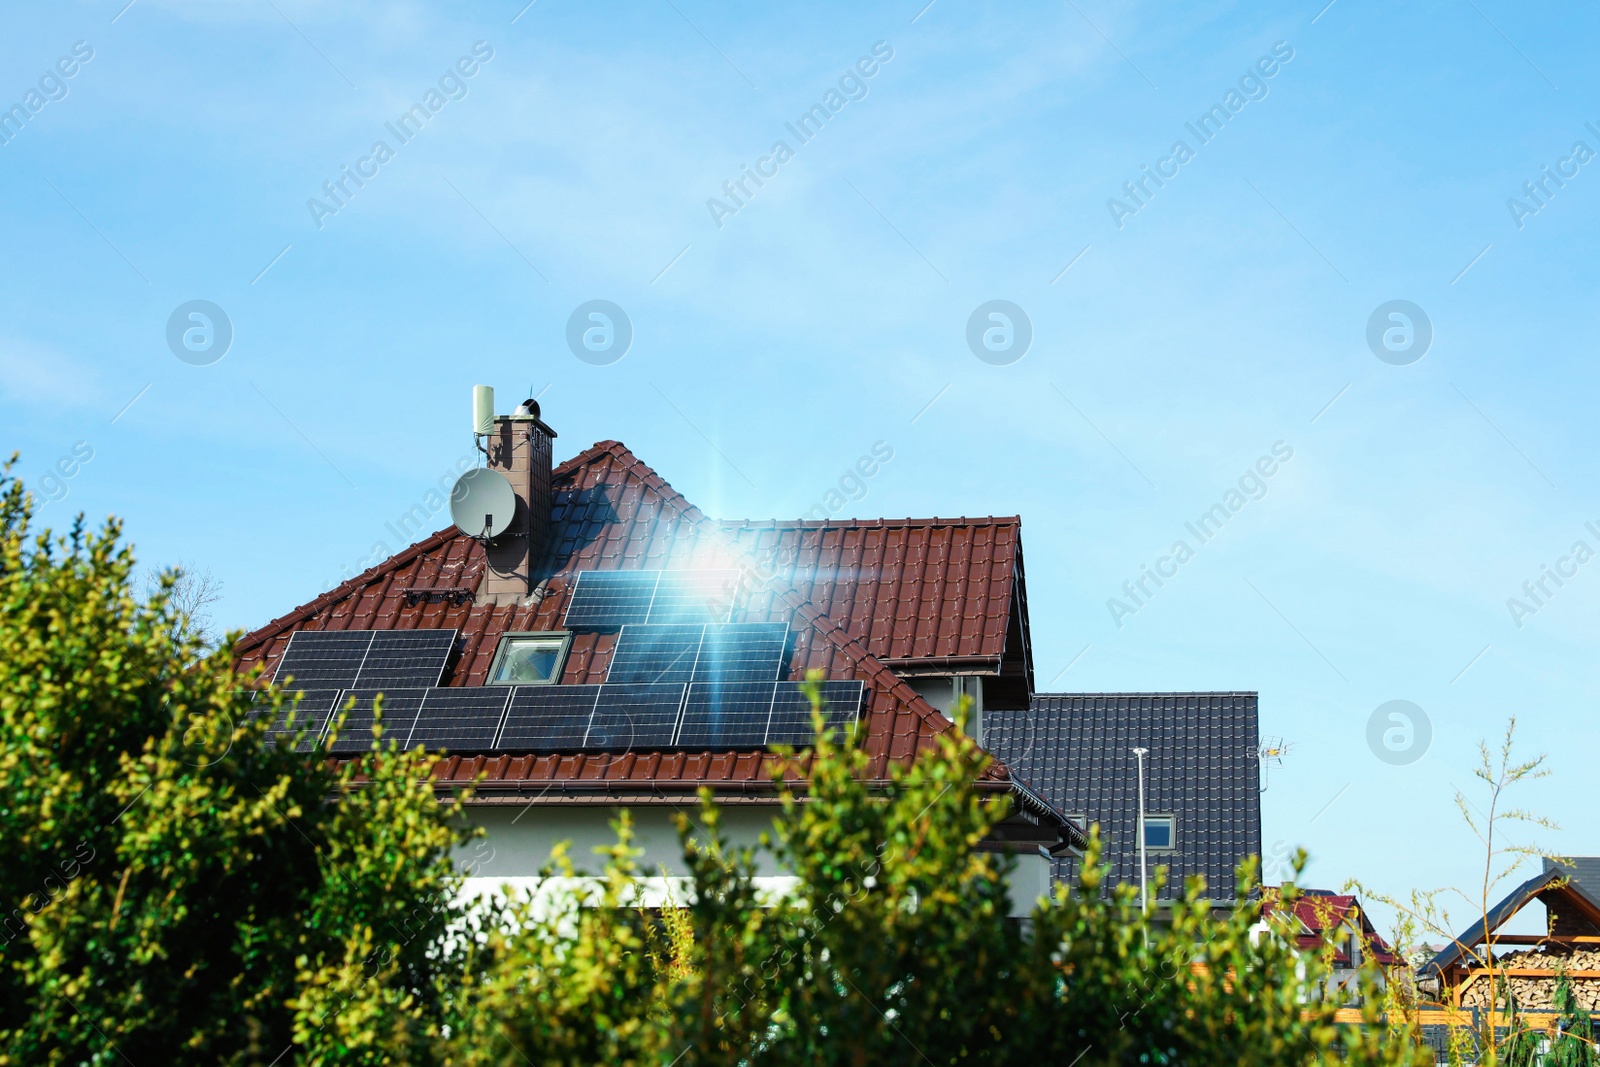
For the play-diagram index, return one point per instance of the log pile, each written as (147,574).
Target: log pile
(1538,993)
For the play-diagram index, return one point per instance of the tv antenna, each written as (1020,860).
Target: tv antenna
(1269,754)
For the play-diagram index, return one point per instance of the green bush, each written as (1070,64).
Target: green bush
(174,890)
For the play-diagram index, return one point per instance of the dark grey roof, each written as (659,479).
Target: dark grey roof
(1076,749)
(1583,872)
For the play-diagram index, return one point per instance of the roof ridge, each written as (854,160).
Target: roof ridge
(964,520)
(567,466)
(653,480)
(1157,693)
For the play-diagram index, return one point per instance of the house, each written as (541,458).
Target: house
(598,644)
(1202,792)
(1459,975)
(1335,923)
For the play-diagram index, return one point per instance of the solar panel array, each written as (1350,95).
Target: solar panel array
(675,681)
(365,659)
(609,599)
(555,718)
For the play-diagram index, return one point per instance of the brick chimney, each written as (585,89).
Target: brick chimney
(519,448)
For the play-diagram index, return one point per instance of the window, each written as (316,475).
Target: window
(529,659)
(1158,832)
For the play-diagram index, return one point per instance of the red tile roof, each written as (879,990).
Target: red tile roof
(907,588)
(1321,912)
(930,594)
(943,588)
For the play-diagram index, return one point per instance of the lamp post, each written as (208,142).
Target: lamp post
(1144,885)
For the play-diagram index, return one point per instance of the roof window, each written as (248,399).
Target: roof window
(529,659)
(1159,832)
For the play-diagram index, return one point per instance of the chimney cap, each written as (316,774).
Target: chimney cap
(528,411)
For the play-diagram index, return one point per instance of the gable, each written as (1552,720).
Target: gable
(1563,898)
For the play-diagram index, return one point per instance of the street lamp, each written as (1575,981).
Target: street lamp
(1144,885)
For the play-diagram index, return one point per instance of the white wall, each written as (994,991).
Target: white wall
(944,691)
(1030,880)
(521,838)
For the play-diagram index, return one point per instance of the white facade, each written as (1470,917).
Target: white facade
(521,838)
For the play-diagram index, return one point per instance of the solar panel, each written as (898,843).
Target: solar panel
(461,719)
(791,711)
(605,599)
(405,659)
(694,596)
(256,708)
(310,714)
(726,715)
(743,652)
(655,654)
(548,717)
(635,716)
(323,659)
(400,708)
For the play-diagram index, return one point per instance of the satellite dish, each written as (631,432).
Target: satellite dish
(482,503)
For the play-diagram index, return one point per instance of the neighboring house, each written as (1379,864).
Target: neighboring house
(1335,923)
(616,649)
(1202,791)
(1529,963)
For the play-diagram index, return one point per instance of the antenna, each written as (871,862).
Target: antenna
(482,503)
(1144,883)
(483,410)
(1270,754)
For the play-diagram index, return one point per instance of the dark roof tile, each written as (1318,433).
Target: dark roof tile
(1076,750)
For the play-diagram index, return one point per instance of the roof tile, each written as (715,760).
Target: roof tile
(1076,749)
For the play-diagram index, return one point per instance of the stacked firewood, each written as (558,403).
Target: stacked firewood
(1538,993)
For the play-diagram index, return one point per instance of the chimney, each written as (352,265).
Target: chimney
(518,446)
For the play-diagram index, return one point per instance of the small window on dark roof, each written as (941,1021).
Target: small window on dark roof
(1160,832)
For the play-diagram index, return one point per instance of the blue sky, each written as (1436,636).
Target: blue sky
(1169,353)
